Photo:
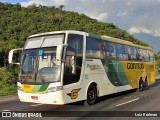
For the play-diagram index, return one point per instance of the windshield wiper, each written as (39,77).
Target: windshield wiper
(36,62)
(43,80)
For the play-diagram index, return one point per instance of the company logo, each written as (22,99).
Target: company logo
(93,67)
(27,86)
(21,114)
(74,93)
(6,114)
(135,66)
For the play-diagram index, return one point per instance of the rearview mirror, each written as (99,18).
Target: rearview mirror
(59,51)
(10,57)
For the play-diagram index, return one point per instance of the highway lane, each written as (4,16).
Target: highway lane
(127,101)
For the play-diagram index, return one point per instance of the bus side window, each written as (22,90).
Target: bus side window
(93,48)
(121,52)
(73,64)
(140,54)
(102,49)
(70,65)
(151,55)
(110,50)
(146,56)
(131,52)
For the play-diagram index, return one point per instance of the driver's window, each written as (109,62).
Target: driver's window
(70,65)
(73,64)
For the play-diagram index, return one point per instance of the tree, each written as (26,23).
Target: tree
(61,7)
(58,20)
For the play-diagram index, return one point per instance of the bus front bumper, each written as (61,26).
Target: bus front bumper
(47,98)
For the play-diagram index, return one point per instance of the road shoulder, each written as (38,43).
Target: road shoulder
(8,98)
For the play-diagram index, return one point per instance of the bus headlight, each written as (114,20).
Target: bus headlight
(54,89)
(19,88)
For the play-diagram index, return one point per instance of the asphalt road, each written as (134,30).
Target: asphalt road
(122,106)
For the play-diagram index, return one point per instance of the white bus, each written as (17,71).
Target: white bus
(68,66)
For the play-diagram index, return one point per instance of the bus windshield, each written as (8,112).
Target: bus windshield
(39,66)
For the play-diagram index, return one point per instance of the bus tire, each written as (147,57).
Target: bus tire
(146,86)
(141,85)
(91,95)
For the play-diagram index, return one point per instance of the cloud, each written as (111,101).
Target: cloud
(44,2)
(36,2)
(100,17)
(126,14)
(60,2)
(129,3)
(138,30)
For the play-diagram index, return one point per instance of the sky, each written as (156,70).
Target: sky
(139,18)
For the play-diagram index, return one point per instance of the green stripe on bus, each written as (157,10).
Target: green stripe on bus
(40,88)
(100,37)
(115,72)
(36,88)
(43,87)
(122,74)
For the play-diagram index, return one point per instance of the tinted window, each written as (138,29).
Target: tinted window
(44,41)
(92,48)
(151,55)
(108,49)
(73,64)
(140,55)
(76,42)
(146,56)
(121,52)
(132,52)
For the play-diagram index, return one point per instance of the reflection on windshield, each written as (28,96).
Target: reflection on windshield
(28,62)
(40,67)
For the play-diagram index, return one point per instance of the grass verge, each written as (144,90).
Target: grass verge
(158,75)
(8,90)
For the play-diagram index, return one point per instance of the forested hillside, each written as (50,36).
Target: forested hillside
(16,23)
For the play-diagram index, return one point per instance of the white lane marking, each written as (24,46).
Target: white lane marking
(6,110)
(127,102)
(36,105)
(23,107)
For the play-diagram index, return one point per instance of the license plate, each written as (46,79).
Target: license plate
(34,97)
(26,77)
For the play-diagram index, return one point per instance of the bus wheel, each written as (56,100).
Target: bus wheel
(91,95)
(146,86)
(141,85)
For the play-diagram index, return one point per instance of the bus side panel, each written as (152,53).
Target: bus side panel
(74,92)
(105,74)
(135,70)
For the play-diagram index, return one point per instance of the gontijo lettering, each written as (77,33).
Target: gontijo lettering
(135,66)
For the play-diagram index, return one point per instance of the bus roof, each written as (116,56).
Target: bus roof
(116,40)
(107,38)
(57,32)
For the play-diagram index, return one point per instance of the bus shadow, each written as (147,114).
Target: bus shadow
(103,98)
(157,82)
